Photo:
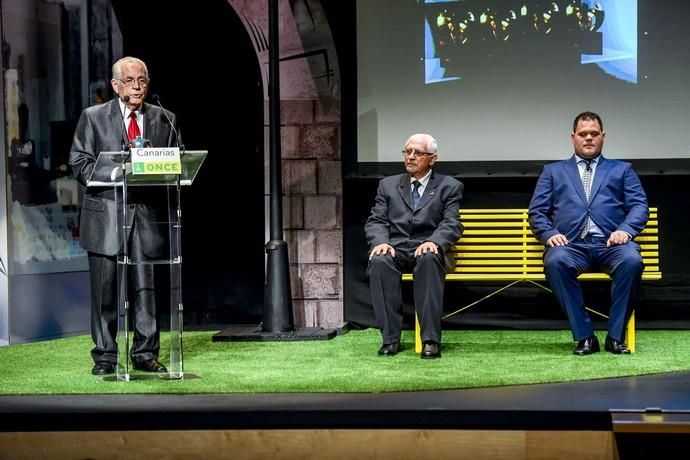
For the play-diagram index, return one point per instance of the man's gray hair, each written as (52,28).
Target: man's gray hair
(428,139)
(117,74)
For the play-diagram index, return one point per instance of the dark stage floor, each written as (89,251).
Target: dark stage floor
(563,406)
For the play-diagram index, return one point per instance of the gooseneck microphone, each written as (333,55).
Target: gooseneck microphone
(125,139)
(172,126)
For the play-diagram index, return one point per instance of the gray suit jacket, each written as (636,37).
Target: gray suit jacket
(393,220)
(101,129)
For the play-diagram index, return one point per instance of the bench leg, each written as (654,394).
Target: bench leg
(417,335)
(630,333)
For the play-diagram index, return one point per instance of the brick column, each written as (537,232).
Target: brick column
(310,132)
(313,210)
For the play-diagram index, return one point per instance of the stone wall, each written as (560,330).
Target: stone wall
(312,212)
(310,142)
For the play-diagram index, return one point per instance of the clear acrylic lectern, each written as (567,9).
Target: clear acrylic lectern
(162,193)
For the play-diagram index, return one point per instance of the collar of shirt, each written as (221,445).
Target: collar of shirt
(582,164)
(126,111)
(423,181)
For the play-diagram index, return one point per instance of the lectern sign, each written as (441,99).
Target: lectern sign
(156,160)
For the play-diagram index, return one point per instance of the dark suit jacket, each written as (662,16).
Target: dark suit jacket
(101,129)
(617,200)
(393,220)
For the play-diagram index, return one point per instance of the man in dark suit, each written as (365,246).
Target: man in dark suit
(412,225)
(587,210)
(110,127)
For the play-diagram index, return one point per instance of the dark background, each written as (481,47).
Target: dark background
(203,66)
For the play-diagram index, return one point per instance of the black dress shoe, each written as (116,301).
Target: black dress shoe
(152,365)
(431,350)
(389,349)
(587,346)
(103,368)
(616,347)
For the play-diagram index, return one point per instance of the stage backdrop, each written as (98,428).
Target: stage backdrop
(501,109)
(498,80)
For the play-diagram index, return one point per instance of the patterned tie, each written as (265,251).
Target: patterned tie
(587,184)
(133,128)
(415,194)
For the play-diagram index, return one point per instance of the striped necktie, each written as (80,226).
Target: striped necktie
(587,184)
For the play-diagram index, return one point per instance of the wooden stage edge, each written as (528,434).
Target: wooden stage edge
(632,417)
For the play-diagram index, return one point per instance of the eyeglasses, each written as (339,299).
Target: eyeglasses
(416,153)
(129,82)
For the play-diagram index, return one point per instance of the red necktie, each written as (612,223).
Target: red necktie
(133,129)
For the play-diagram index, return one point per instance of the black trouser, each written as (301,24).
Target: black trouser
(385,281)
(103,275)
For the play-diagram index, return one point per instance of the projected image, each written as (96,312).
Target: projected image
(480,75)
(463,35)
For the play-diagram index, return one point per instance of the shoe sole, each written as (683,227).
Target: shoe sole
(610,350)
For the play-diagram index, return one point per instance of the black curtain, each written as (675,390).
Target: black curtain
(204,68)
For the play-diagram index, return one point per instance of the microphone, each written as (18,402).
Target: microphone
(172,126)
(125,140)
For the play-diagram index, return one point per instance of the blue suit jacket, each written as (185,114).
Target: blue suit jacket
(617,200)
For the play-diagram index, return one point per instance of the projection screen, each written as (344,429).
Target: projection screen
(503,80)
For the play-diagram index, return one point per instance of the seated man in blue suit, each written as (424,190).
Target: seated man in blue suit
(412,225)
(587,210)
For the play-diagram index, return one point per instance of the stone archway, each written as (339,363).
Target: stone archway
(310,120)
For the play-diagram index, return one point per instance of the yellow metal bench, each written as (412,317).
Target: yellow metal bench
(498,245)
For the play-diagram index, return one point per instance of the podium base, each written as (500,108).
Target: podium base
(255,334)
(152,376)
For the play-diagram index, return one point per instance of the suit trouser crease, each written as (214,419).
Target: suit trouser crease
(429,281)
(385,278)
(626,271)
(104,305)
(562,265)
(386,294)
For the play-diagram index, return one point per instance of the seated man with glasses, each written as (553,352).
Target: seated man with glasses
(108,127)
(412,225)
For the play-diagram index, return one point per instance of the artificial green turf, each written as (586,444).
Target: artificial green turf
(347,363)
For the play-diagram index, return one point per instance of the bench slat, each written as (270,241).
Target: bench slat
(492,211)
(489,247)
(653,276)
(508,262)
(501,224)
(646,238)
(492,231)
(498,255)
(498,240)
(506,269)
